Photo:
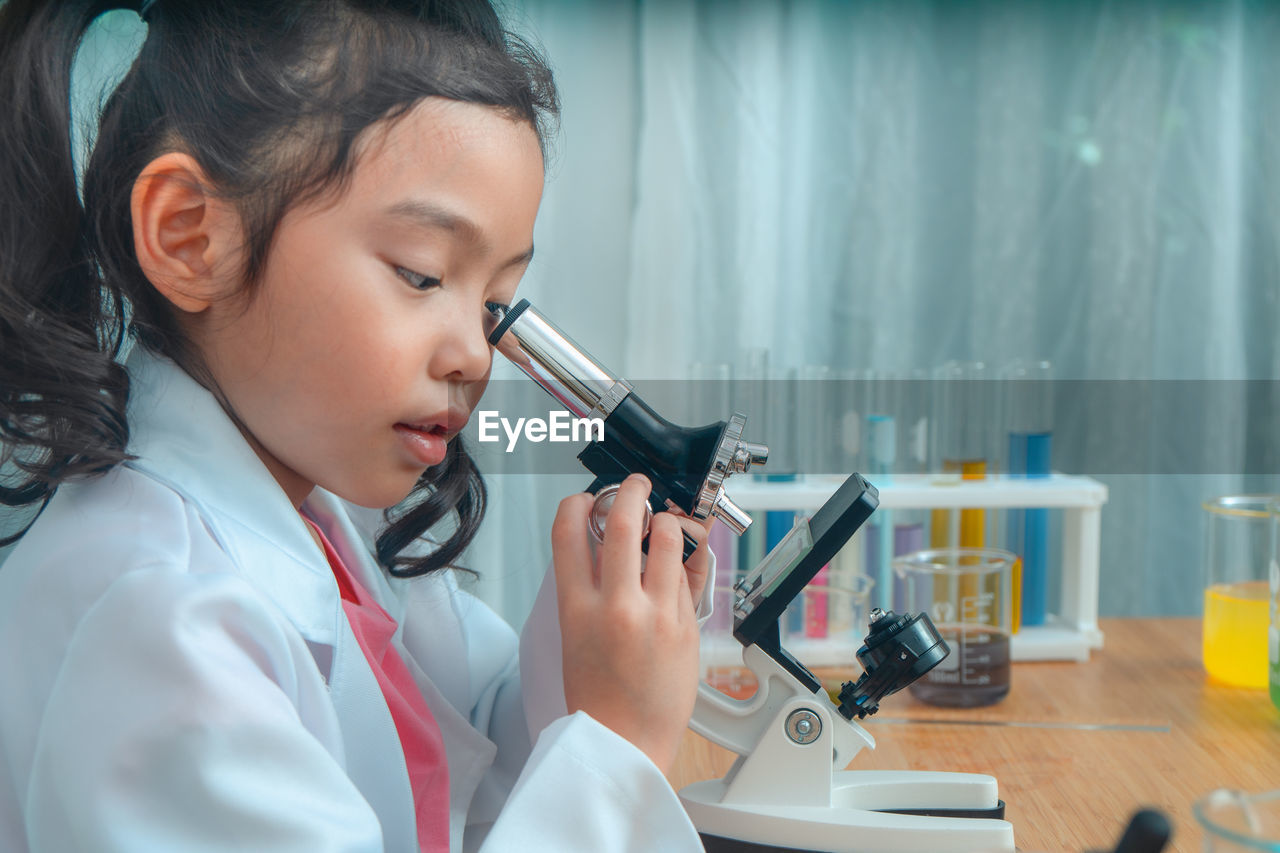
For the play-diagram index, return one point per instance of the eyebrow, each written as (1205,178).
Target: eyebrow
(427,215)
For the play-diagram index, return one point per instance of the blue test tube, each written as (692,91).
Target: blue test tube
(1029,415)
(881,447)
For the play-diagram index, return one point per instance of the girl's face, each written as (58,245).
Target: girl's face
(364,349)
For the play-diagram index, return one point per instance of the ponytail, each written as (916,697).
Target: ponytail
(62,390)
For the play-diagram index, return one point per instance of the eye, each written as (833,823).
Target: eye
(416,280)
(494,312)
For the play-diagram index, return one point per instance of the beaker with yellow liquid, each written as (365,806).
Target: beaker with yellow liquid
(1273,631)
(1237,593)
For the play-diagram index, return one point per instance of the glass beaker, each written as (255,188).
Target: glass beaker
(832,613)
(1236,590)
(1273,631)
(1235,820)
(968,593)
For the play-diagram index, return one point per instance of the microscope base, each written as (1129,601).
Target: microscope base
(716,844)
(859,821)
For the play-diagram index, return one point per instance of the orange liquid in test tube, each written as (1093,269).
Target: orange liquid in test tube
(972,532)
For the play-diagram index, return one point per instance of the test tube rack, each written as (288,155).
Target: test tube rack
(1067,635)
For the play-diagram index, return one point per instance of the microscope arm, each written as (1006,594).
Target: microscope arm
(739,725)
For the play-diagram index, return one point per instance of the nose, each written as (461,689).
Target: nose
(463,353)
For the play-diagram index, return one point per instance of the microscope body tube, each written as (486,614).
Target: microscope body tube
(686,466)
(677,460)
(552,359)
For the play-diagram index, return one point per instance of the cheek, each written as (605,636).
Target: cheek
(324,285)
(344,325)
(476,390)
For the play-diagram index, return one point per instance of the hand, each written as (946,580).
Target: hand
(630,641)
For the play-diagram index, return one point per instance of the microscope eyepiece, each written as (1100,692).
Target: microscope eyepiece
(506,315)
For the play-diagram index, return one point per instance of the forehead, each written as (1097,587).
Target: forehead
(445,147)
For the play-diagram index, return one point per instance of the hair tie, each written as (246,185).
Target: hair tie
(144,9)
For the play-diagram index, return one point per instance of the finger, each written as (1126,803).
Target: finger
(699,529)
(623,530)
(704,523)
(664,573)
(697,567)
(570,550)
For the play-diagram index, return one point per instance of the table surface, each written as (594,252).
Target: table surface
(1138,725)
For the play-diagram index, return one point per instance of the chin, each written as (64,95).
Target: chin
(378,495)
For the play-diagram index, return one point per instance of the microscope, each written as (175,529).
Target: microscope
(787,789)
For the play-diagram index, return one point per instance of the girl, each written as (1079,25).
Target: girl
(298,214)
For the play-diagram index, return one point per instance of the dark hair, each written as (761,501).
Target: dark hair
(269,99)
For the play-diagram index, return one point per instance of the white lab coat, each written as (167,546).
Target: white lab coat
(177,674)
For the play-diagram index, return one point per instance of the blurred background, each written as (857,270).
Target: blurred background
(892,186)
(872,188)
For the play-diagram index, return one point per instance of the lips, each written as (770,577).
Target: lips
(427,439)
(427,444)
(449,422)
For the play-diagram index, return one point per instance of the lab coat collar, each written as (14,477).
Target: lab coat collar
(181,436)
(356,550)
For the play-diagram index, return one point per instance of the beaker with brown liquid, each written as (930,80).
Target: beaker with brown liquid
(967,592)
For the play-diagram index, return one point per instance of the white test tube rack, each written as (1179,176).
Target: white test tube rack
(1070,634)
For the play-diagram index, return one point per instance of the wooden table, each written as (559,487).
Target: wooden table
(1138,725)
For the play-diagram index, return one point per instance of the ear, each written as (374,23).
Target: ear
(185,237)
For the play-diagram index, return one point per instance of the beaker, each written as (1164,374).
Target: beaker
(831,612)
(1235,820)
(968,593)
(1273,631)
(1236,590)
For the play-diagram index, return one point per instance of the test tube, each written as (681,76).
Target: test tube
(817,408)
(847,568)
(757,402)
(850,411)
(913,410)
(711,399)
(781,421)
(1027,390)
(880,444)
(815,414)
(754,386)
(963,416)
